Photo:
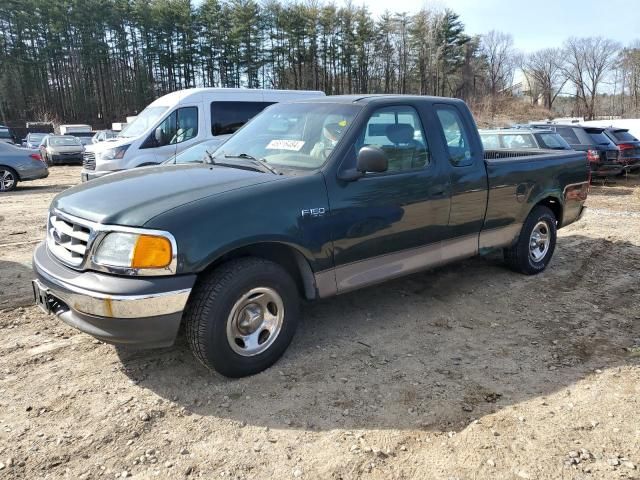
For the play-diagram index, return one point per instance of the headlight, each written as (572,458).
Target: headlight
(134,251)
(114,153)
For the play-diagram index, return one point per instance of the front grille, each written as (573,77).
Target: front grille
(89,160)
(67,240)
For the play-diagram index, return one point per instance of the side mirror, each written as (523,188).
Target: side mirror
(370,159)
(159,136)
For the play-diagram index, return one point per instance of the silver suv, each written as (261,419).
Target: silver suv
(522,139)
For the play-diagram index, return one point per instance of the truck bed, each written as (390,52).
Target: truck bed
(515,178)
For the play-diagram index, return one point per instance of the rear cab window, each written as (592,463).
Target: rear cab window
(455,135)
(490,141)
(518,140)
(229,116)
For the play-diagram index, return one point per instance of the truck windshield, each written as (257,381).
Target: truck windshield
(294,135)
(146,119)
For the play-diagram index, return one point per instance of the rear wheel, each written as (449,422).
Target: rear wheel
(242,316)
(533,251)
(8,179)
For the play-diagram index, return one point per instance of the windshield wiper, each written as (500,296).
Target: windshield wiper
(262,163)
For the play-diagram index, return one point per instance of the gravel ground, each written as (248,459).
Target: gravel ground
(469,371)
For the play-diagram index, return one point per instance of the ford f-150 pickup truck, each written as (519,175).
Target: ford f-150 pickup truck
(308,200)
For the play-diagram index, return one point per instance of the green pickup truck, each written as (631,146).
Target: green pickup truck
(308,200)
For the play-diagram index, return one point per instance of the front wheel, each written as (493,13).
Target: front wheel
(533,251)
(8,179)
(242,316)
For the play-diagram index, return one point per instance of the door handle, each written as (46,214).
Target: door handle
(438,193)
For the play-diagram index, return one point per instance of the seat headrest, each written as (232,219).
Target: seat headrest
(400,133)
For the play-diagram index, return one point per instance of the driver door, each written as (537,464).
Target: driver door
(388,224)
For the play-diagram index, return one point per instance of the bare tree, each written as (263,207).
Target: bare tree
(588,60)
(502,60)
(545,73)
(630,66)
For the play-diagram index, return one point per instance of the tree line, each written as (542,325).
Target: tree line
(96,61)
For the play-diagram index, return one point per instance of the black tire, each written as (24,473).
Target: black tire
(519,256)
(209,309)
(7,173)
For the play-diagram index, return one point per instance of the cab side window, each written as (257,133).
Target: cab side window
(229,116)
(398,132)
(181,125)
(187,125)
(455,136)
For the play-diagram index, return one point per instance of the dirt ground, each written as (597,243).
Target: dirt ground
(466,372)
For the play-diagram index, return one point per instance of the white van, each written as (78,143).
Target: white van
(178,121)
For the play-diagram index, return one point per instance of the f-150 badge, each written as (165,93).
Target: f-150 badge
(313,212)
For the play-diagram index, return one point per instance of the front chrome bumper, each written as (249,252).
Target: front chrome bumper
(145,311)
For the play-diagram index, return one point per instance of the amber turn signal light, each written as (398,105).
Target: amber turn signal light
(151,252)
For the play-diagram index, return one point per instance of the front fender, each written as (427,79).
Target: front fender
(270,212)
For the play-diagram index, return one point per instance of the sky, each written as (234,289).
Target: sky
(534,24)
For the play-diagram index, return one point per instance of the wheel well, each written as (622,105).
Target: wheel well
(12,169)
(287,257)
(555,206)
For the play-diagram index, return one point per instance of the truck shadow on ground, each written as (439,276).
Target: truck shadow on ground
(431,351)
(26,188)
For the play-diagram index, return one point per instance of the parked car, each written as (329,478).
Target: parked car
(5,135)
(311,198)
(602,153)
(103,135)
(19,164)
(33,140)
(178,121)
(61,149)
(628,145)
(521,138)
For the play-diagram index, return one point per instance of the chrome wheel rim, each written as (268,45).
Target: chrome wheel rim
(255,321)
(539,241)
(7,180)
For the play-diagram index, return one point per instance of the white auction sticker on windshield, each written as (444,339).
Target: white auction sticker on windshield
(295,145)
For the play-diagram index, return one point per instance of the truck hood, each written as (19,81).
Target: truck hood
(134,197)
